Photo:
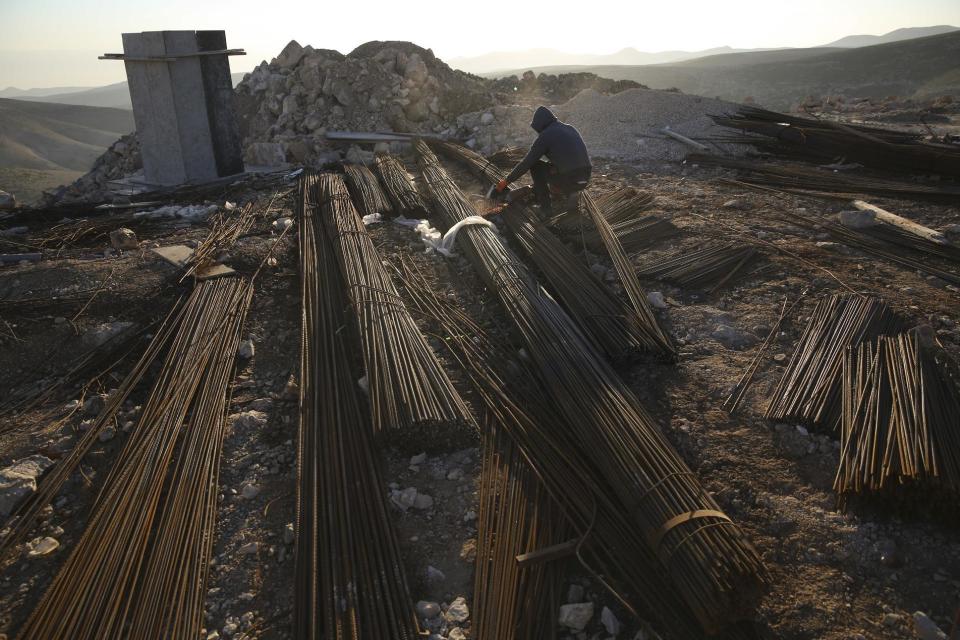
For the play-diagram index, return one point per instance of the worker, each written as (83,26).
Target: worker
(567,168)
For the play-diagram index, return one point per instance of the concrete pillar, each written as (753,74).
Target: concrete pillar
(182,106)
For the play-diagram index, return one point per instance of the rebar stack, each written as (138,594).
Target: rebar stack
(823,140)
(408,386)
(144,548)
(515,517)
(399,187)
(810,390)
(365,190)
(710,267)
(618,330)
(707,557)
(803,179)
(880,244)
(618,206)
(627,274)
(900,408)
(350,581)
(569,277)
(604,538)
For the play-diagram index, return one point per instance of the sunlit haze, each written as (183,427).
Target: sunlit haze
(55,42)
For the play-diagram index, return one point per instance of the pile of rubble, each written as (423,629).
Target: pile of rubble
(287,105)
(121,159)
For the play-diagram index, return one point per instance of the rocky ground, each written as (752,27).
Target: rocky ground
(836,576)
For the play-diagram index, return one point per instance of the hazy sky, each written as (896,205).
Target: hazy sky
(55,42)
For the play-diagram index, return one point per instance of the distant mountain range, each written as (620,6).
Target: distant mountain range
(897,35)
(506,62)
(115,96)
(781,78)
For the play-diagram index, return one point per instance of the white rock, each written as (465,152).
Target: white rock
(486,118)
(246,349)
(428,610)
(248,419)
(420,458)
(404,499)
(265,154)
(456,634)
(575,616)
(20,480)
(289,535)
(250,547)
(925,628)
(282,224)
(610,622)
(655,298)
(249,491)
(42,546)
(123,239)
(457,611)
(291,55)
(422,502)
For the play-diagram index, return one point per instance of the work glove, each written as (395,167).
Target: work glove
(501,186)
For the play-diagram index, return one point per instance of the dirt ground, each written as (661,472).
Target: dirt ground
(835,576)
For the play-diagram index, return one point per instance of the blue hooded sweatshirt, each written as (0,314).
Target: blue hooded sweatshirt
(559,141)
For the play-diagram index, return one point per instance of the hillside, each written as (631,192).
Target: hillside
(897,35)
(43,145)
(781,78)
(114,95)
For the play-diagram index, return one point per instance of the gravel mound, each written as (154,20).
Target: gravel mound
(627,125)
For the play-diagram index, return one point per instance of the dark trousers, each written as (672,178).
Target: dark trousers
(547,179)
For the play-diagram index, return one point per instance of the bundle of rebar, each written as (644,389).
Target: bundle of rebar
(892,246)
(823,140)
(618,330)
(365,190)
(569,276)
(810,390)
(516,518)
(407,384)
(507,159)
(900,408)
(604,538)
(709,267)
(618,206)
(706,556)
(803,179)
(399,187)
(149,540)
(350,581)
(626,273)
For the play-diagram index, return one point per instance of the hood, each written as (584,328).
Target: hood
(542,118)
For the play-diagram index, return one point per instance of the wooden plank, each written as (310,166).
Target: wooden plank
(892,219)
